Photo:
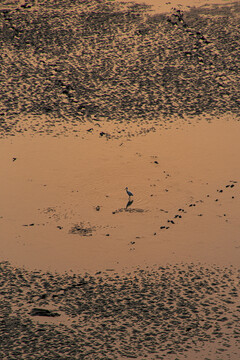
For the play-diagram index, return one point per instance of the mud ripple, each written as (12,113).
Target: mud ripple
(144,313)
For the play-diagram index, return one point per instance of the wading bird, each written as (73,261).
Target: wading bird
(129,192)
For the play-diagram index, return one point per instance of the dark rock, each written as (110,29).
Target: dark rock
(223,319)
(43,296)
(43,312)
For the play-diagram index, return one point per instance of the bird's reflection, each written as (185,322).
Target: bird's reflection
(129,203)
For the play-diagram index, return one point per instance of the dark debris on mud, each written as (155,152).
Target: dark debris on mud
(88,60)
(129,210)
(147,313)
(82,229)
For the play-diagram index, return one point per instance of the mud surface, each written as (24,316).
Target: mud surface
(91,60)
(153,313)
(130,97)
(185,209)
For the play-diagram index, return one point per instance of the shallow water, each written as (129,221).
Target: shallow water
(159,6)
(51,193)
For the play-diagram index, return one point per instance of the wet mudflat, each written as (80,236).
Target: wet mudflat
(64,204)
(93,61)
(114,97)
(153,276)
(153,313)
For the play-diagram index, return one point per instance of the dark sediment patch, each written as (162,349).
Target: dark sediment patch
(144,313)
(66,63)
(129,210)
(43,312)
(82,229)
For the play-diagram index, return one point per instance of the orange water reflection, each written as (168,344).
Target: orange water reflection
(186,198)
(158,6)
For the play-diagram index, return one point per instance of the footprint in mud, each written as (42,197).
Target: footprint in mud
(193,205)
(164,227)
